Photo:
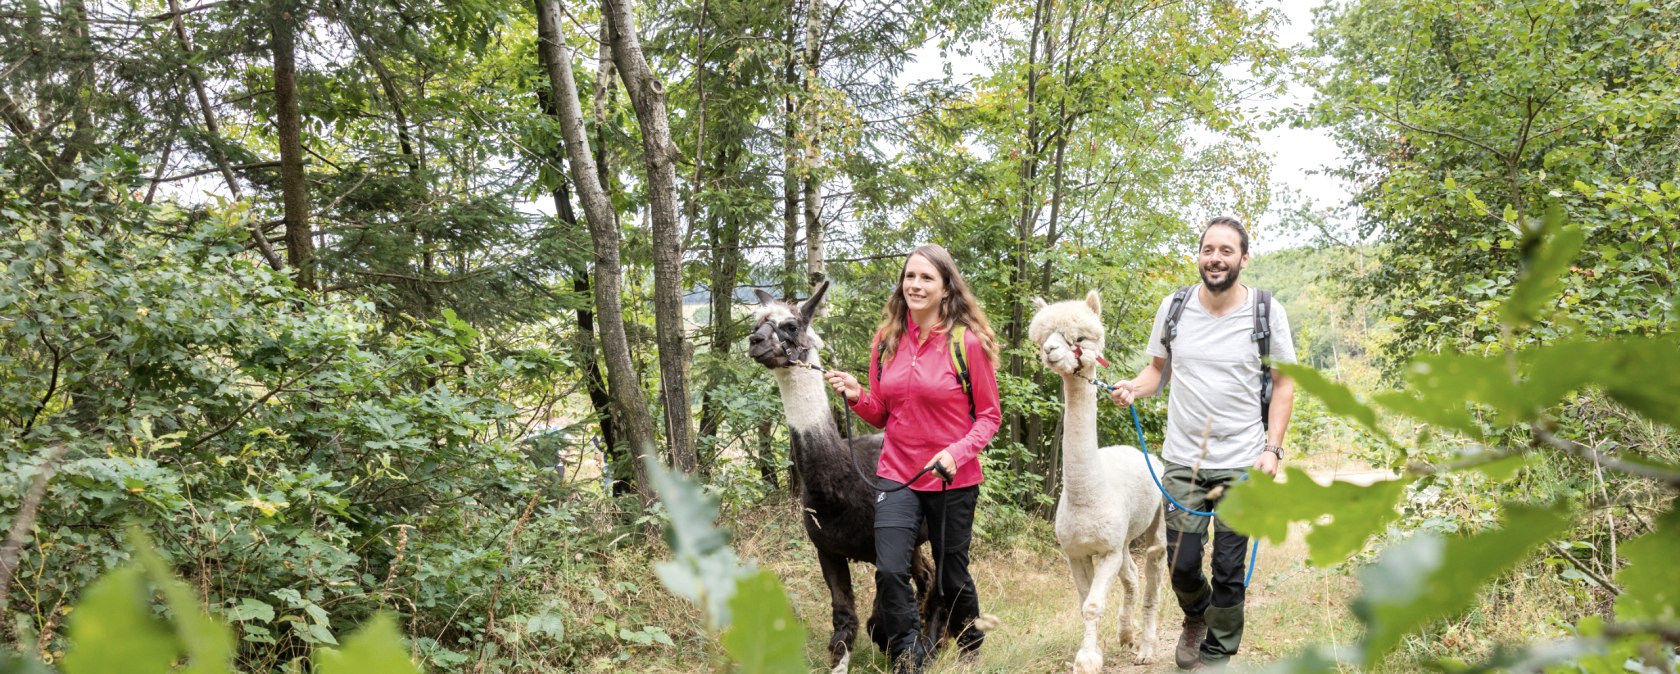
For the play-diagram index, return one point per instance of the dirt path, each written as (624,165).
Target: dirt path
(1290,605)
(1025,584)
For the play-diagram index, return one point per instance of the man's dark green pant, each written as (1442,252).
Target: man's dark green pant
(1219,603)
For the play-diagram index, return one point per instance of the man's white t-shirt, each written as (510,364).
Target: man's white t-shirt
(1215,375)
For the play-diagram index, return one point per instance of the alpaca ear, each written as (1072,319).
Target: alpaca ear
(764,298)
(809,307)
(1038,303)
(1094,301)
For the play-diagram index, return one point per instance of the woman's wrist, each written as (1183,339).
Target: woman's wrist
(1276,450)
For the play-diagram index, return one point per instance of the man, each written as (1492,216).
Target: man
(1215,366)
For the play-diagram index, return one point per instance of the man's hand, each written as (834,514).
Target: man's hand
(1124,393)
(1267,463)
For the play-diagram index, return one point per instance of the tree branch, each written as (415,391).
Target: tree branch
(260,400)
(1591,454)
(217,169)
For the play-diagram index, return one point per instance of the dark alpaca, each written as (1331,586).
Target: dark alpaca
(839,506)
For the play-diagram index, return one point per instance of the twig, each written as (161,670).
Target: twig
(260,400)
(1583,569)
(24,522)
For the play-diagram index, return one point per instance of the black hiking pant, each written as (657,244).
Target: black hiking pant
(950,520)
(1220,602)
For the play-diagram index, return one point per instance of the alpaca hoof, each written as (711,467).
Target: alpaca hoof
(1128,636)
(843,664)
(1145,655)
(1088,662)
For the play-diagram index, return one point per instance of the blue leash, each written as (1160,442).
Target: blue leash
(1143,446)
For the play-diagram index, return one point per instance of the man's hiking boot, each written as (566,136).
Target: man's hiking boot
(1189,651)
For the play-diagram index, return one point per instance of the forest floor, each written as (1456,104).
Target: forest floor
(1027,587)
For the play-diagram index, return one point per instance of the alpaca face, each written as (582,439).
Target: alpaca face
(1069,334)
(782,334)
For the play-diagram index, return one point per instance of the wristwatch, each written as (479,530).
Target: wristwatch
(1275,449)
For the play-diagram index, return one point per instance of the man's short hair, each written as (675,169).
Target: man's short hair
(1227,221)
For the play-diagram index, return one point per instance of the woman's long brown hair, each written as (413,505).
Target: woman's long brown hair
(959,306)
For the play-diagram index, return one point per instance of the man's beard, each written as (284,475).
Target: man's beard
(1222,286)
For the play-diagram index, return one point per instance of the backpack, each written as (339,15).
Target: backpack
(959,364)
(1262,336)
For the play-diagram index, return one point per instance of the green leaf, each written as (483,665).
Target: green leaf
(252,609)
(1262,506)
(113,630)
(1649,591)
(766,637)
(1455,417)
(692,512)
(1640,372)
(377,648)
(209,644)
(320,634)
(1429,577)
(1546,254)
(1499,468)
(1338,399)
(549,624)
(1646,378)
(704,569)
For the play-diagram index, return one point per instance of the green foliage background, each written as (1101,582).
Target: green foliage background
(414,446)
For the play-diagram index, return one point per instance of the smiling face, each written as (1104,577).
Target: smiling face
(1221,258)
(782,334)
(1069,335)
(923,286)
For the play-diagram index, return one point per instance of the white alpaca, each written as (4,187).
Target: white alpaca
(1108,500)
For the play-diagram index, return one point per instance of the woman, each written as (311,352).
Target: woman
(916,394)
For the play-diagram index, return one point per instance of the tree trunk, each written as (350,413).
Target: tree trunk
(81,80)
(790,164)
(213,134)
(1027,218)
(814,254)
(294,190)
(726,270)
(647,96)
(766,456)
(586,352)
(631,408)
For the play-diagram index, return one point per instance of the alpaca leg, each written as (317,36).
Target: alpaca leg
(1154,572)
(1090,660)
(838,574)
(1080,568)
(1128,596)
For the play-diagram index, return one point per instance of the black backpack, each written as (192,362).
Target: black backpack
(1262,336)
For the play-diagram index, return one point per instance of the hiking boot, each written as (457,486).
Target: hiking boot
(968,644)
(911,656)
(1188,654)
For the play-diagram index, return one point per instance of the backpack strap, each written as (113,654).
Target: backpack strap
(1174,311)
(1263,339)
(1169,330)
(959,363)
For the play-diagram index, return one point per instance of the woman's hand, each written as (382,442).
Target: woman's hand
(943,458)
(844,384)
